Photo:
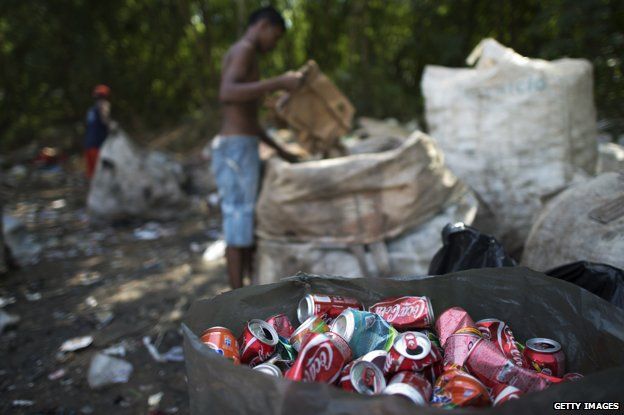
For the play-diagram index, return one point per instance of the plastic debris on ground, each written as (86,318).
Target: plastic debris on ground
(151,231)
(7,320)
(175,354)
(77,343)
(154,400)
(214,251)
(105,370)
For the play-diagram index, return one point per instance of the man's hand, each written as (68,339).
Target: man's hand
(291,80)
(290,157)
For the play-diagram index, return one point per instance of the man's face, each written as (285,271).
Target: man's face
(269,35)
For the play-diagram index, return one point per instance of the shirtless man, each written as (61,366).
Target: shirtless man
(235,159)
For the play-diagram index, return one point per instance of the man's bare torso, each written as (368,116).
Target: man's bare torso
(241,117)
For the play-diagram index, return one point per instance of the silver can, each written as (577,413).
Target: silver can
(269,369)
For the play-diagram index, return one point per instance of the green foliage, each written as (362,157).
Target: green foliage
(162,57)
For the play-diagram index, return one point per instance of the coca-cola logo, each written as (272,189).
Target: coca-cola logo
(516,356)
(393,312)
(321,360)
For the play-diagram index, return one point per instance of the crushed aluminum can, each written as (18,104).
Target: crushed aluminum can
(458,347)
(222,341)
(281,324)
(405,312)
(314,324)
(329,305)
(377,357)
(258,342)
(502,393)
(499,332)
(364,331)
(269,369)
(456,388)
(453,320)
(362,377)
(416,381)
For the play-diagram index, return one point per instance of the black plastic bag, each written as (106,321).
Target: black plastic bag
(601,279)
(590,330)
(467,248)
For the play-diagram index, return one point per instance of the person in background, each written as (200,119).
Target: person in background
(98,125)
(235,159)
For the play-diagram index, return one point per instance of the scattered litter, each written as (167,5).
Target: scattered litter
(196,247)
(89,278)
(76,343)
(104,317)
(87,409)
(5,301)
(105,370)
(175,354)
(58,204)
(154,400)
(24,247)
(214,251)
(151,231)
(22,403)
(116,350)
(33,296)
(7,320)
(57,374)
(91,301)
(213,199)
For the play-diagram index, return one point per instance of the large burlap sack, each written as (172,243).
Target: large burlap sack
(406,254)
(610,158)
(514,129)
(317,111)
(357,199)
(132,182)
(590,330)
(583,223)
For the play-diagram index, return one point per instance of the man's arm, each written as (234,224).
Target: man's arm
(235,89)
(280,151)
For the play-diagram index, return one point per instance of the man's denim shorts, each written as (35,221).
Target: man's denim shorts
(236,166)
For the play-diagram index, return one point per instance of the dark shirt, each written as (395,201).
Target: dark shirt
(97,130)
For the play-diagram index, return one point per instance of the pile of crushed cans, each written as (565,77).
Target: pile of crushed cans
(393,349)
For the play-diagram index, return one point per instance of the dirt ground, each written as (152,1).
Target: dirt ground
(86,273)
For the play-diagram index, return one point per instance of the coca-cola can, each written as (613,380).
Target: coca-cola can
(546,356)
(269,369)
(411,351)
(488,364)
(320,360)
(408,391)
(330,305)
(281,324)
(377,357)
(458,347)
(405,312)
(258,342)
(456,388)
(222,341)
(499,332)
(363,331)
(416,380)
(362,377)
(453,320)
(433,371)
(314,324)
(502,393)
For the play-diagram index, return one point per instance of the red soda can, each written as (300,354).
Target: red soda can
(546,356)
(433,372)
(377,357)
(222,341)
(258,342)
(405,312)
(416,380)
(320,360)
(315,324)
(499,332)
(281,324)
(411,351)
(269,369)
(456,388)
(362,377)
(453,320)
(488,364)
(502,393)
(330,305)
(458,347)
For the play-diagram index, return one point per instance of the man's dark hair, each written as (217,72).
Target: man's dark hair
(270,14)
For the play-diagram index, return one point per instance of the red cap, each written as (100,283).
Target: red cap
(101,91)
